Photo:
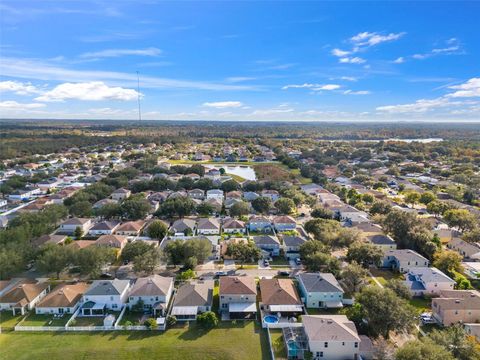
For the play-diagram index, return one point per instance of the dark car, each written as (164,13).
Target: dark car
(283,273)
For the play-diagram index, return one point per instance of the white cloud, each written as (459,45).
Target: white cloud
(235,79)
(18,88)
(315,87)
(223,104)
(373,38)
(13,105)
(419,106)
(109,53)
(399,60)
(348,78)
(32,69)
(359,92)
(274,111)
(452,47)
(90,91)
(340,53)
(352,60)
(469,89)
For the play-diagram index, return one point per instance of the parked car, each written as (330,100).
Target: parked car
(106,275)
(283,273)
(298,261)
(266,263)
(427,318)
(220,273)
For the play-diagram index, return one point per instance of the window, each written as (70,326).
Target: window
(326,344)
(356,344)
(343,343)
(114,306)
(321,353)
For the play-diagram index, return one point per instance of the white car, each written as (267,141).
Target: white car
(427,318)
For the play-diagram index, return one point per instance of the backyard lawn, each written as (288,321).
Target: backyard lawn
(228,341)
(384,275)
(88,321)
(421,304)
(45,320)
(8,321)
(279,350)
(132,316)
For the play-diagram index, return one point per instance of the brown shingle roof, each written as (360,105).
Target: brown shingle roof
(238,285)
(25,292)
(117,241)
(279,292)
(64,295)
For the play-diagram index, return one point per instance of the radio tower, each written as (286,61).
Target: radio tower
(138,97)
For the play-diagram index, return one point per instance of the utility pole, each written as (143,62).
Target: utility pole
(138,97)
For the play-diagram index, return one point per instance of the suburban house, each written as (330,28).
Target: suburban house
(155,291)
(130,228)
(193,298)
(208,226)
(105,294)
(233,226)
(121,194)
(331,337)
(250,195)
(101,203)
(268,243)
(280,296)
(469,251)
(49,239)
(215,194)
(284,223)
(260,223)
(63,299)
(69,226)
(113,241)
(224,246)
(198,194)
(403,260)
(273,195)
(428,281)
(291,245)
(237,195)
(472,329)
(471,269)
(23,296)
(454,306)
(215,203)
(183,226)
(320,290)
(81,244)
(238,296)
(382,241)
(104,228)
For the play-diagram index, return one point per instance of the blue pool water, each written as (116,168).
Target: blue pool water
(270,319)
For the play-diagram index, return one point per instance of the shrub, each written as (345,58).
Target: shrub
(151,323)
(207,320)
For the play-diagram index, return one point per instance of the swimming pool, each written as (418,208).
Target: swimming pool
(270,319)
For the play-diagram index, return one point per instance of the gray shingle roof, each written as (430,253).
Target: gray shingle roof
(320,282)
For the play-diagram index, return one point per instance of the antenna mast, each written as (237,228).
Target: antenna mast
(138,97)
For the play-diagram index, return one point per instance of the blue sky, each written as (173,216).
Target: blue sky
(241,60)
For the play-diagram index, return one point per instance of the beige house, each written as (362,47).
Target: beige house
(23,296)
(121,194)
(130,228)
(280,296)
(114,241)
(155,291)
(455,306)
(193,298)
(70,226)
(466,249)
(238,296)
(63,299)
(331,337)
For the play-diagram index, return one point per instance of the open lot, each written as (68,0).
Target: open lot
(228,341)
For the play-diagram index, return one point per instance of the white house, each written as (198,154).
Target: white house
(103,228)
(23,296)
(155,291)
(208,226)
(121,194)
(331,337)
(70,225)
(403,260)
(428,281)
(215,194)
(105,294)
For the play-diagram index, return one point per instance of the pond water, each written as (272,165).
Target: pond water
(244,171)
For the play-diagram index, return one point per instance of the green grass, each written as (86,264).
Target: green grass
(237,178)
(132,316)
(8,321)
(315,311)
(88,321)
(279,260)
(216,298)
(421,304)
(237,342)
(45,320)
(279,350)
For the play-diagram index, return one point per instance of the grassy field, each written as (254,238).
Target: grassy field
(132,316)
(421,304)
(8,321)
(45,320)
(228,341)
